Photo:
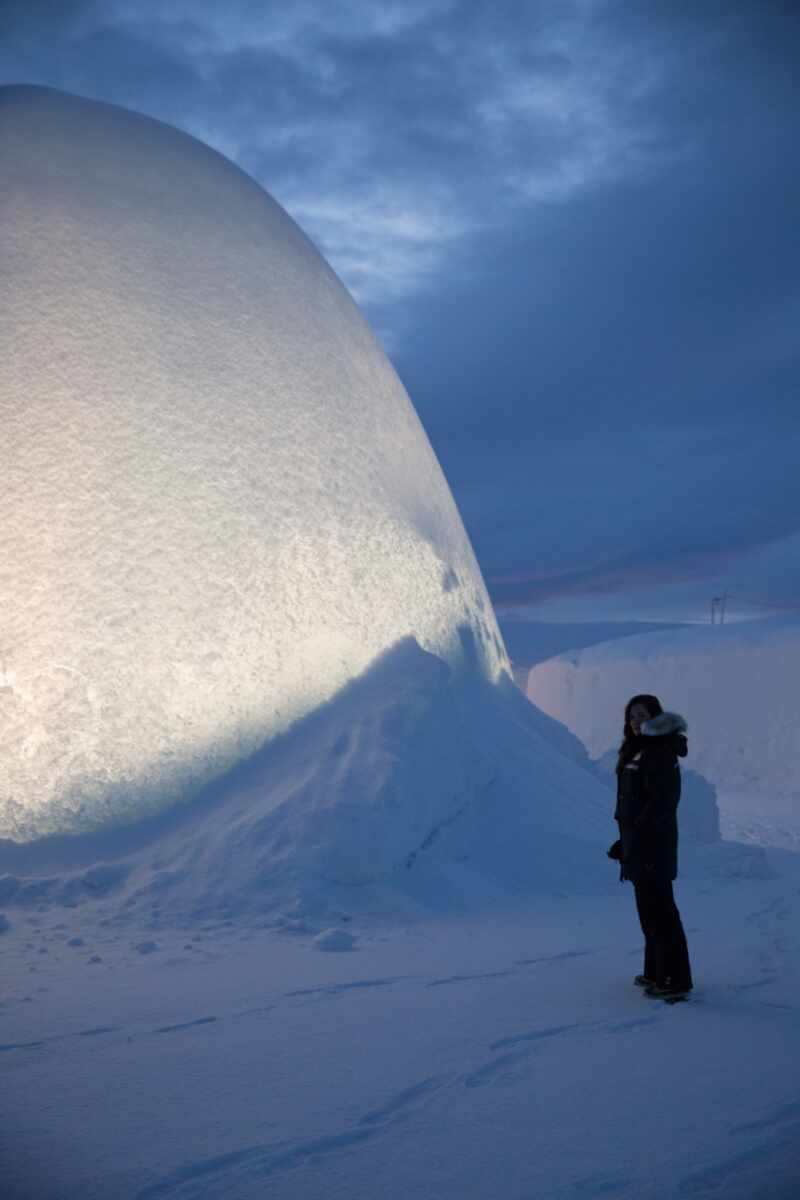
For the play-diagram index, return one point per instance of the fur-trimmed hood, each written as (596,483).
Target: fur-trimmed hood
(664,723)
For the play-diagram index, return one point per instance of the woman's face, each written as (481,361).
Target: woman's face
(637,716)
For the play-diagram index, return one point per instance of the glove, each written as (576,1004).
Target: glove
(615,851)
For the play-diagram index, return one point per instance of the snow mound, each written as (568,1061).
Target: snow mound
(414,786)
(219,505)
(734,684)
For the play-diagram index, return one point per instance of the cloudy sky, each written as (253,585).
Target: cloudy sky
(573,223)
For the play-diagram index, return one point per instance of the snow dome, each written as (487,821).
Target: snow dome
(219,505)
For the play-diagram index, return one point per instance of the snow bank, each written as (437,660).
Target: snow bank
(414,786)
(219,503)
(529,642)
(736,685)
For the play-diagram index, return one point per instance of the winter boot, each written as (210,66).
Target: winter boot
(668,991)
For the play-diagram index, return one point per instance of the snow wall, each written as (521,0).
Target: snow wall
(219,503)
(736,685)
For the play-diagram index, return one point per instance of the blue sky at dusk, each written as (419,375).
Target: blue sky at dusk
(573,224)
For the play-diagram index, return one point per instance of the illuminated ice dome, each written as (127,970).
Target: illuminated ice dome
(218,502)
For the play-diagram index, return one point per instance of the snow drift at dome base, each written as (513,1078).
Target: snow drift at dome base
(219,503)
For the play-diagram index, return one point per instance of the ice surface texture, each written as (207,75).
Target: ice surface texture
(218,502)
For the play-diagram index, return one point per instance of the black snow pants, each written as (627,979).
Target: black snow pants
(666,955)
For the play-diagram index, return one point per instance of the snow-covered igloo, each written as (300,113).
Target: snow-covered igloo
(219,505)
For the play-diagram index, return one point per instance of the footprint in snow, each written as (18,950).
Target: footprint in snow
(260,1161)
(467,978)
(535,1035)
(505,1066)
(403,1100)
(554,958)
(498,1069)
(333,989)
(6,1046)
(186,1025)
(251,1162)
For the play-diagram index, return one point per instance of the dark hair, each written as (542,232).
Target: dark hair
(651,703)
(630,742)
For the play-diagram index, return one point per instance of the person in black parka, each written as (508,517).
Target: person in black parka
(648,792)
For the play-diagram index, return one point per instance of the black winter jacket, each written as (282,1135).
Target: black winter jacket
(648,792)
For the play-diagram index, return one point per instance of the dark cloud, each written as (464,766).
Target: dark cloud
(625,366)
(419,124)
(574,225)
(34,21)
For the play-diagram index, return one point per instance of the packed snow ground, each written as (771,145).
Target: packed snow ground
(230,1003)
(464,1056)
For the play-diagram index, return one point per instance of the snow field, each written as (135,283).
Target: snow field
(441,1057)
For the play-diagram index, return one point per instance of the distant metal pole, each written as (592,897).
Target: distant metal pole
(725,597)
(714,604)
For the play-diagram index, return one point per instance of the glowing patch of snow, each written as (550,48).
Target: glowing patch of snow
(413,788)
(219,503)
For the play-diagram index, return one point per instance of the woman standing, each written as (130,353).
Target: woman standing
(648,791)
